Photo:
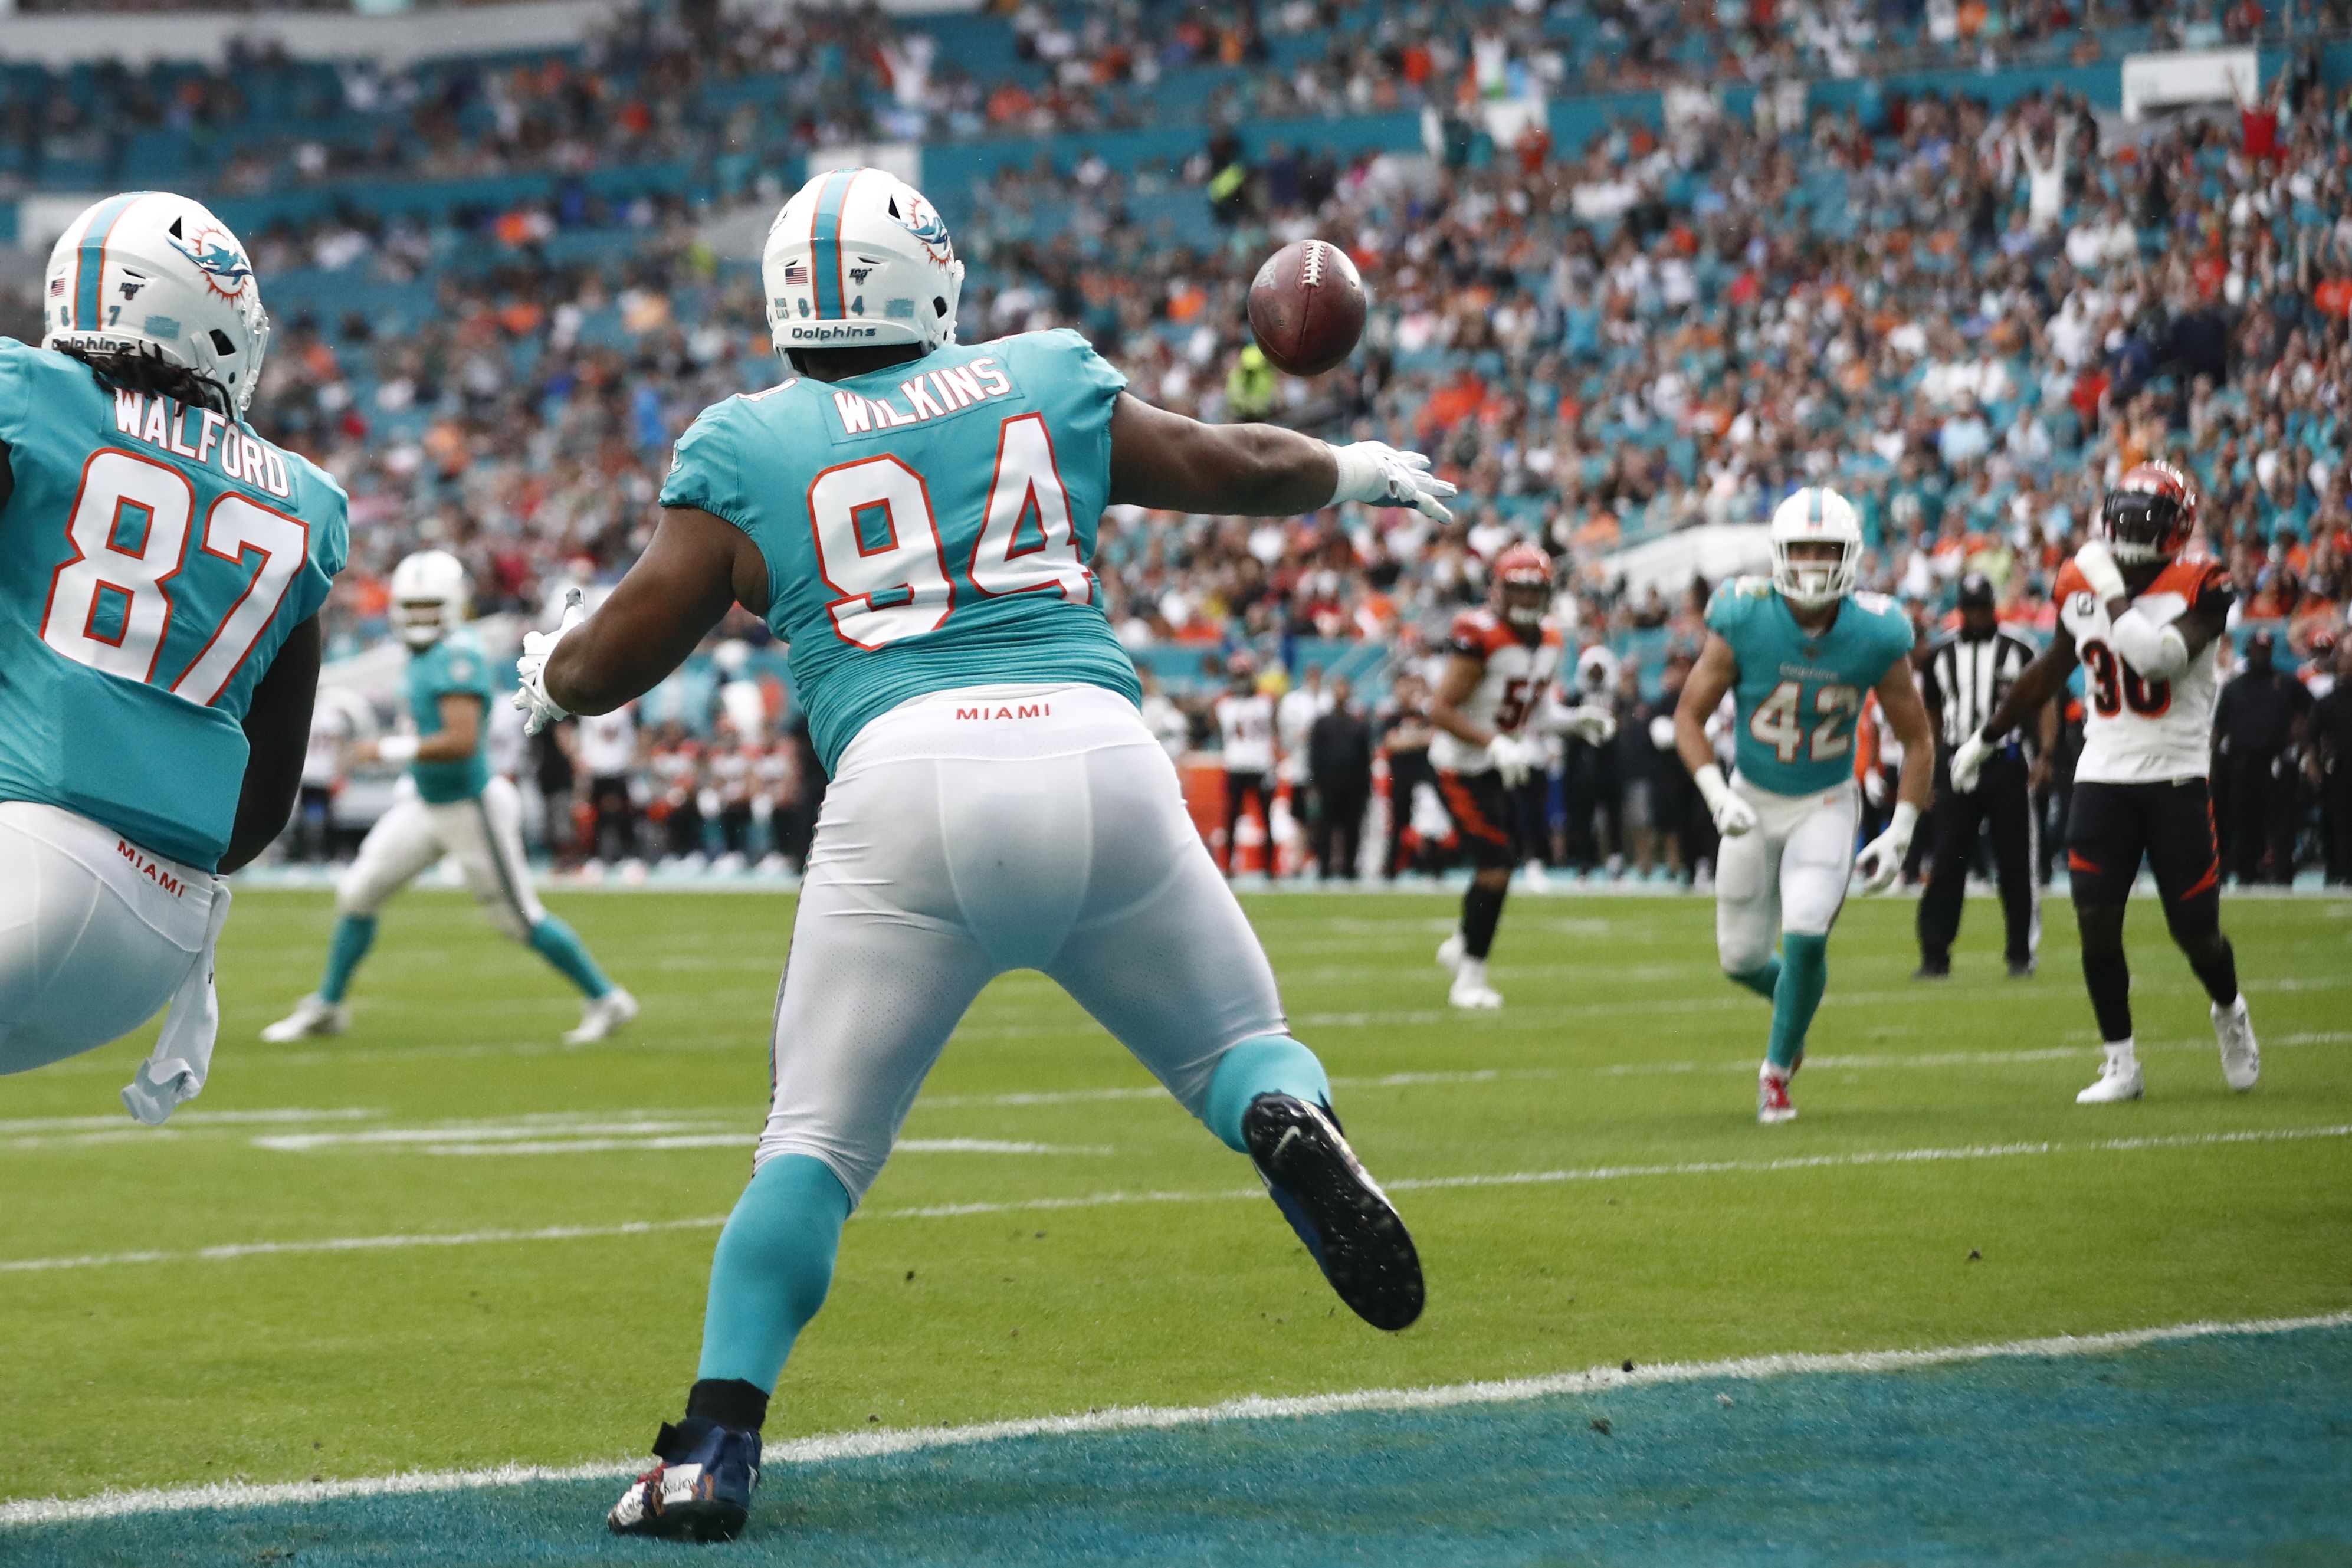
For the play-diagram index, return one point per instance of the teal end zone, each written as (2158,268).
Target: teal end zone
(2231,1449)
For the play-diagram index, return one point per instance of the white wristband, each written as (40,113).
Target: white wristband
(1712,787)
(1905,821)
(398,750)
(1359,476)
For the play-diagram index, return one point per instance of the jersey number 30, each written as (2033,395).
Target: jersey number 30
(110,606)
(1774,722)
(877,539)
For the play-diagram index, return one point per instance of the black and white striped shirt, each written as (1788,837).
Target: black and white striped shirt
(1970,679)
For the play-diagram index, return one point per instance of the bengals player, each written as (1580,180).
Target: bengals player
(1491,707)
(2143,616)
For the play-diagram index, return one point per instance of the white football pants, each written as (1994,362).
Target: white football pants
(989,830)
(484,836)
(1787,873)
(96,935)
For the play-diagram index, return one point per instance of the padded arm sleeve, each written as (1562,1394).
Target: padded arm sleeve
(2151,649)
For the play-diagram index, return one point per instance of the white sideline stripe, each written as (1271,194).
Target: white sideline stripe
(870,1444)
(746,1140)
(1112,1199)
(184,1120)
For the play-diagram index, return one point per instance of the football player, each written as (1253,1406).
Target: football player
(1798,651)
(2142,615)
(1491,707)
(448,802)
(160,569)
(916,519)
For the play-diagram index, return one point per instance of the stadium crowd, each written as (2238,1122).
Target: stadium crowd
(1969,320)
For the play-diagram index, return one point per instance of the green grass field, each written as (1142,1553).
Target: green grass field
(1056,1237)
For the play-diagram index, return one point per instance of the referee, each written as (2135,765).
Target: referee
(1963,678)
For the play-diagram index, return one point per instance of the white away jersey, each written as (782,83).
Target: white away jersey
(1246,724)
(1515,684)
(2136,729)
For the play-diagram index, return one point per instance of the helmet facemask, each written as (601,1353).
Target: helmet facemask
(422,622)
(2142,526)
(1824,573)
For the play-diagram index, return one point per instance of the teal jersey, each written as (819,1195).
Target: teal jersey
(924,526)
(454,666)
(154,559)
(1798,695)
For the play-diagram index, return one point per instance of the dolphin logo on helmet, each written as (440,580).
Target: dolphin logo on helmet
(219,259)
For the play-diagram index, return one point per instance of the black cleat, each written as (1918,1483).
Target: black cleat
(1350,1228)
(2021,968)
(700,1491)
(1933,969)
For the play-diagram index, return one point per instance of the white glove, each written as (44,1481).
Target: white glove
(530,699)
(1882,857)
(1516,758)
(1662,732)
(2096,563)
(1378,474)
(1733,815)
(1967,762)
(1593,726)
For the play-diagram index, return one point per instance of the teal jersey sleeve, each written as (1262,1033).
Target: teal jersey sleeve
(1798,695)
(703,472)
(454,666)
(154,557)
(924,527)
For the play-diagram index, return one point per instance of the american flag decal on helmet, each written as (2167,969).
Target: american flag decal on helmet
(796,274)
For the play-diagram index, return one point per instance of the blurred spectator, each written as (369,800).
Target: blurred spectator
(1340,765)
(2258,726)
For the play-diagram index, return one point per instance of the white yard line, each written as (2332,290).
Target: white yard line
(872,1443)
(1113,1199)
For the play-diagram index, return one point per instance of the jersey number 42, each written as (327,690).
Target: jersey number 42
(878,544)
(110,606)
(1776,723)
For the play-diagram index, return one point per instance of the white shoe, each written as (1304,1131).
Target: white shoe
(310,1016)
(607,1013)
(2242,1059)
(1470,987)
(1773,1103)
(1534,877)
(1449,953)
(2117,1081)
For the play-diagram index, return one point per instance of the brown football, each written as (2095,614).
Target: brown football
(1306,307)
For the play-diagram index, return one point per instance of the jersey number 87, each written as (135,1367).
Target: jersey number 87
(130,528)
(1774,722)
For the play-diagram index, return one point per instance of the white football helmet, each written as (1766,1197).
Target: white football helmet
(150,272)
(1815,516)
(857,258)
(428,597)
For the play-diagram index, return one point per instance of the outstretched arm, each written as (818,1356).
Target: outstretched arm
(1170,463)
(277,733)
(2042,681)
(697,566)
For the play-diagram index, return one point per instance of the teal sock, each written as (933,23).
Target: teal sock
(355,934)
(1269,1064)
(560,946)
(1804,975)
(1764,979)
(773,1265)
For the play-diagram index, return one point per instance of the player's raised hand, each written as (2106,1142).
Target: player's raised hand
(1377,474)
(2096,563)
(530,698)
